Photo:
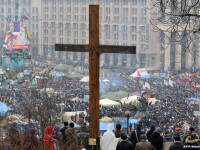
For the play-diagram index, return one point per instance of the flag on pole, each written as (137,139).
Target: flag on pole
(166,83)
(171,83)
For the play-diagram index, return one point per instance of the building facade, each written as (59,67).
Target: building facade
(122,22)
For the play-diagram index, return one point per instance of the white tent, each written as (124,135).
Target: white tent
(133,99)
(108,102)
(140,72)
(85,79)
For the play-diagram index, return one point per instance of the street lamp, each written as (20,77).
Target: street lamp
(127,114)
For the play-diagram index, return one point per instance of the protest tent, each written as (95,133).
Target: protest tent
(85,79)
(133,99)
(107,119)
(76,99)
(152,100)
(139,72)
(4,108)
(108,102)
(118,95)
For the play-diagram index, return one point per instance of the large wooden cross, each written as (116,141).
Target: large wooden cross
(94,50)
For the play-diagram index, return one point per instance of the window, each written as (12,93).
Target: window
(107,27)
(124,28)
(45,9)
(61,9)
(107,2)
(76,33)
(142,28)
(53,24)
(116,36)
(134,19)
(53,40)
(144,20)
(68,17)
(116,19)
(45,24)
(61,40)
(125,11)
(46,39)
(115,27)
(125,2)
(143,2)
(107,35)
(61,32)
(2,25)
(68,9)
(144,11)
(83,1)
(133,29)
(53,32)
(2,10)
(46,16)
(116,10)
(83,18)
(45,32)
(134,2)
(83,34)
(125,19)
(68,33)
(54,9)
(134,11)
(124,36)
(143,38)
(107,18)
(83,26)
(76,9)
(75,25)
(116,2)
(76,17)
(108,10)
(9,10)
(134,37)
(83,10)
(76,1)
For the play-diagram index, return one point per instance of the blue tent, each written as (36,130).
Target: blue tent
(3,109)
(58,75)
(124,122)
(192,99)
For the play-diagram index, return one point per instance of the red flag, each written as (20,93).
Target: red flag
(197,85)
(188,83)
(189,79)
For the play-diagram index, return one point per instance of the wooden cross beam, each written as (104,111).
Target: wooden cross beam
(94,50)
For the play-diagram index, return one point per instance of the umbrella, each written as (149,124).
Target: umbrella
(107,120)
(177,128)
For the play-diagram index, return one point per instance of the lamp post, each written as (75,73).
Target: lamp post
(127,114)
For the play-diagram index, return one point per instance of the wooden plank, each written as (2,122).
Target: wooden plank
(94,71)
(72,47)
(116,49)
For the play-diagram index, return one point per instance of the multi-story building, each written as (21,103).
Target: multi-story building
(122,22)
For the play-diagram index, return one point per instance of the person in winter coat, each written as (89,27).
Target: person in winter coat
(71,142)
(58,136)
(124,144)
(14,137)
(119,133)
(83,136)
(156,139)
(177,145)
(192,142)
(30,141)
(63,130)
(143,144)
(48,139)
(167,140)
(109,141)
(135,136)
(150,132)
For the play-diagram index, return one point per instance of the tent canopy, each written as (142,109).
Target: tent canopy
(107,119)
(76,99)
(127,100)
(4,108)
(116,95)
(139,72)
(152,100)
(85,79)
(108,102)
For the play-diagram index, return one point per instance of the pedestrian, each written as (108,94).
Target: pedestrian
(14,137)
(30,141)
(63,130)
(118,132)
(48,139)
(109,141)
(71,142)
(135,135)
(167,140)
(124,143)
(177,145)
(58,136)
(192,142)
(156,139)
(143,144)
(152,129)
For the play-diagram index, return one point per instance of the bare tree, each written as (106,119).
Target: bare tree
(179,20)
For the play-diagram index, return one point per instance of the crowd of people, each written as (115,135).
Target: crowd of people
(154,139)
